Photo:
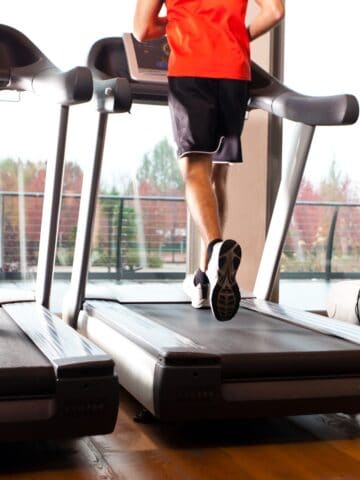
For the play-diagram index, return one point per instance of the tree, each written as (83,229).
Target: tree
(307,217)
(162,222)
(159,169)
(335,187)
(309,233)
(73,176)
(32,175)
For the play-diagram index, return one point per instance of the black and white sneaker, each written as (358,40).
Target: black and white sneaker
(224,291)
(197,288)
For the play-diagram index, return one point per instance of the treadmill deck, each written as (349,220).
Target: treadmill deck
(252,344)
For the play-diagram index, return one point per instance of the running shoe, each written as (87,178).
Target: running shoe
(224,291)
(197,288)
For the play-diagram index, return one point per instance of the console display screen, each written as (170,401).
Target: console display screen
(152,55)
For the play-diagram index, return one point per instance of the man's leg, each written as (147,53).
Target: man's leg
(221,259)
(202,202)
(218,182)
(224,294)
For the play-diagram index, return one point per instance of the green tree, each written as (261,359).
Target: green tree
(107,237)
(335,187)
(160,169)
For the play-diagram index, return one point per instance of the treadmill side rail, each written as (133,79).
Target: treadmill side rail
(57,341)
(309,320)
(153,337)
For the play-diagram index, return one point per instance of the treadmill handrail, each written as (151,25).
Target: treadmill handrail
(316,322)
(270,95)
(24,67)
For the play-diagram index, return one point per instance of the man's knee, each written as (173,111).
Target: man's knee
(195,167)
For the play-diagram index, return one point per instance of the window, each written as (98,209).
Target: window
(140,227)
(323,242)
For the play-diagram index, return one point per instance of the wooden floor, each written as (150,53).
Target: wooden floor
(316,447)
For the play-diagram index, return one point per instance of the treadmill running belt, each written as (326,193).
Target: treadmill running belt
(251,345)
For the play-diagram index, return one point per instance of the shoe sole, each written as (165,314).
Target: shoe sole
(225,297)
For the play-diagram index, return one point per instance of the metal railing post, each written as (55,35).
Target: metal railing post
(330,244)
(22,222)
(110,215)
(2,232)
(118,240)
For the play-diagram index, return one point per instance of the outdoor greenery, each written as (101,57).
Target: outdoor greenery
(160,169)
(310,231)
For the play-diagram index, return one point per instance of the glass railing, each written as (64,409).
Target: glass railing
(140,237)
(145,237)
(323,241)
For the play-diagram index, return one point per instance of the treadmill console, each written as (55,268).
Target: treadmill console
(147,61)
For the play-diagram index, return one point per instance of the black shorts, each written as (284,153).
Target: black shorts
(208,116)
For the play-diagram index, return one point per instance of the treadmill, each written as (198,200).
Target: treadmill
(178,362)
(53,382)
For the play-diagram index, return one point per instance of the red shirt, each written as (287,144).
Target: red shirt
(208,38)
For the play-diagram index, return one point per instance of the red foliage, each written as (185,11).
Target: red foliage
(307,218)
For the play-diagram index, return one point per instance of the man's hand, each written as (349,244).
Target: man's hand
(270,14)
(147,23)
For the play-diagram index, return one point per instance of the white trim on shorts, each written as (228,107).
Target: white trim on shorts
(222,138)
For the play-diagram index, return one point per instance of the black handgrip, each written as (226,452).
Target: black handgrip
(268,94)
(311,110)
(66,88)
